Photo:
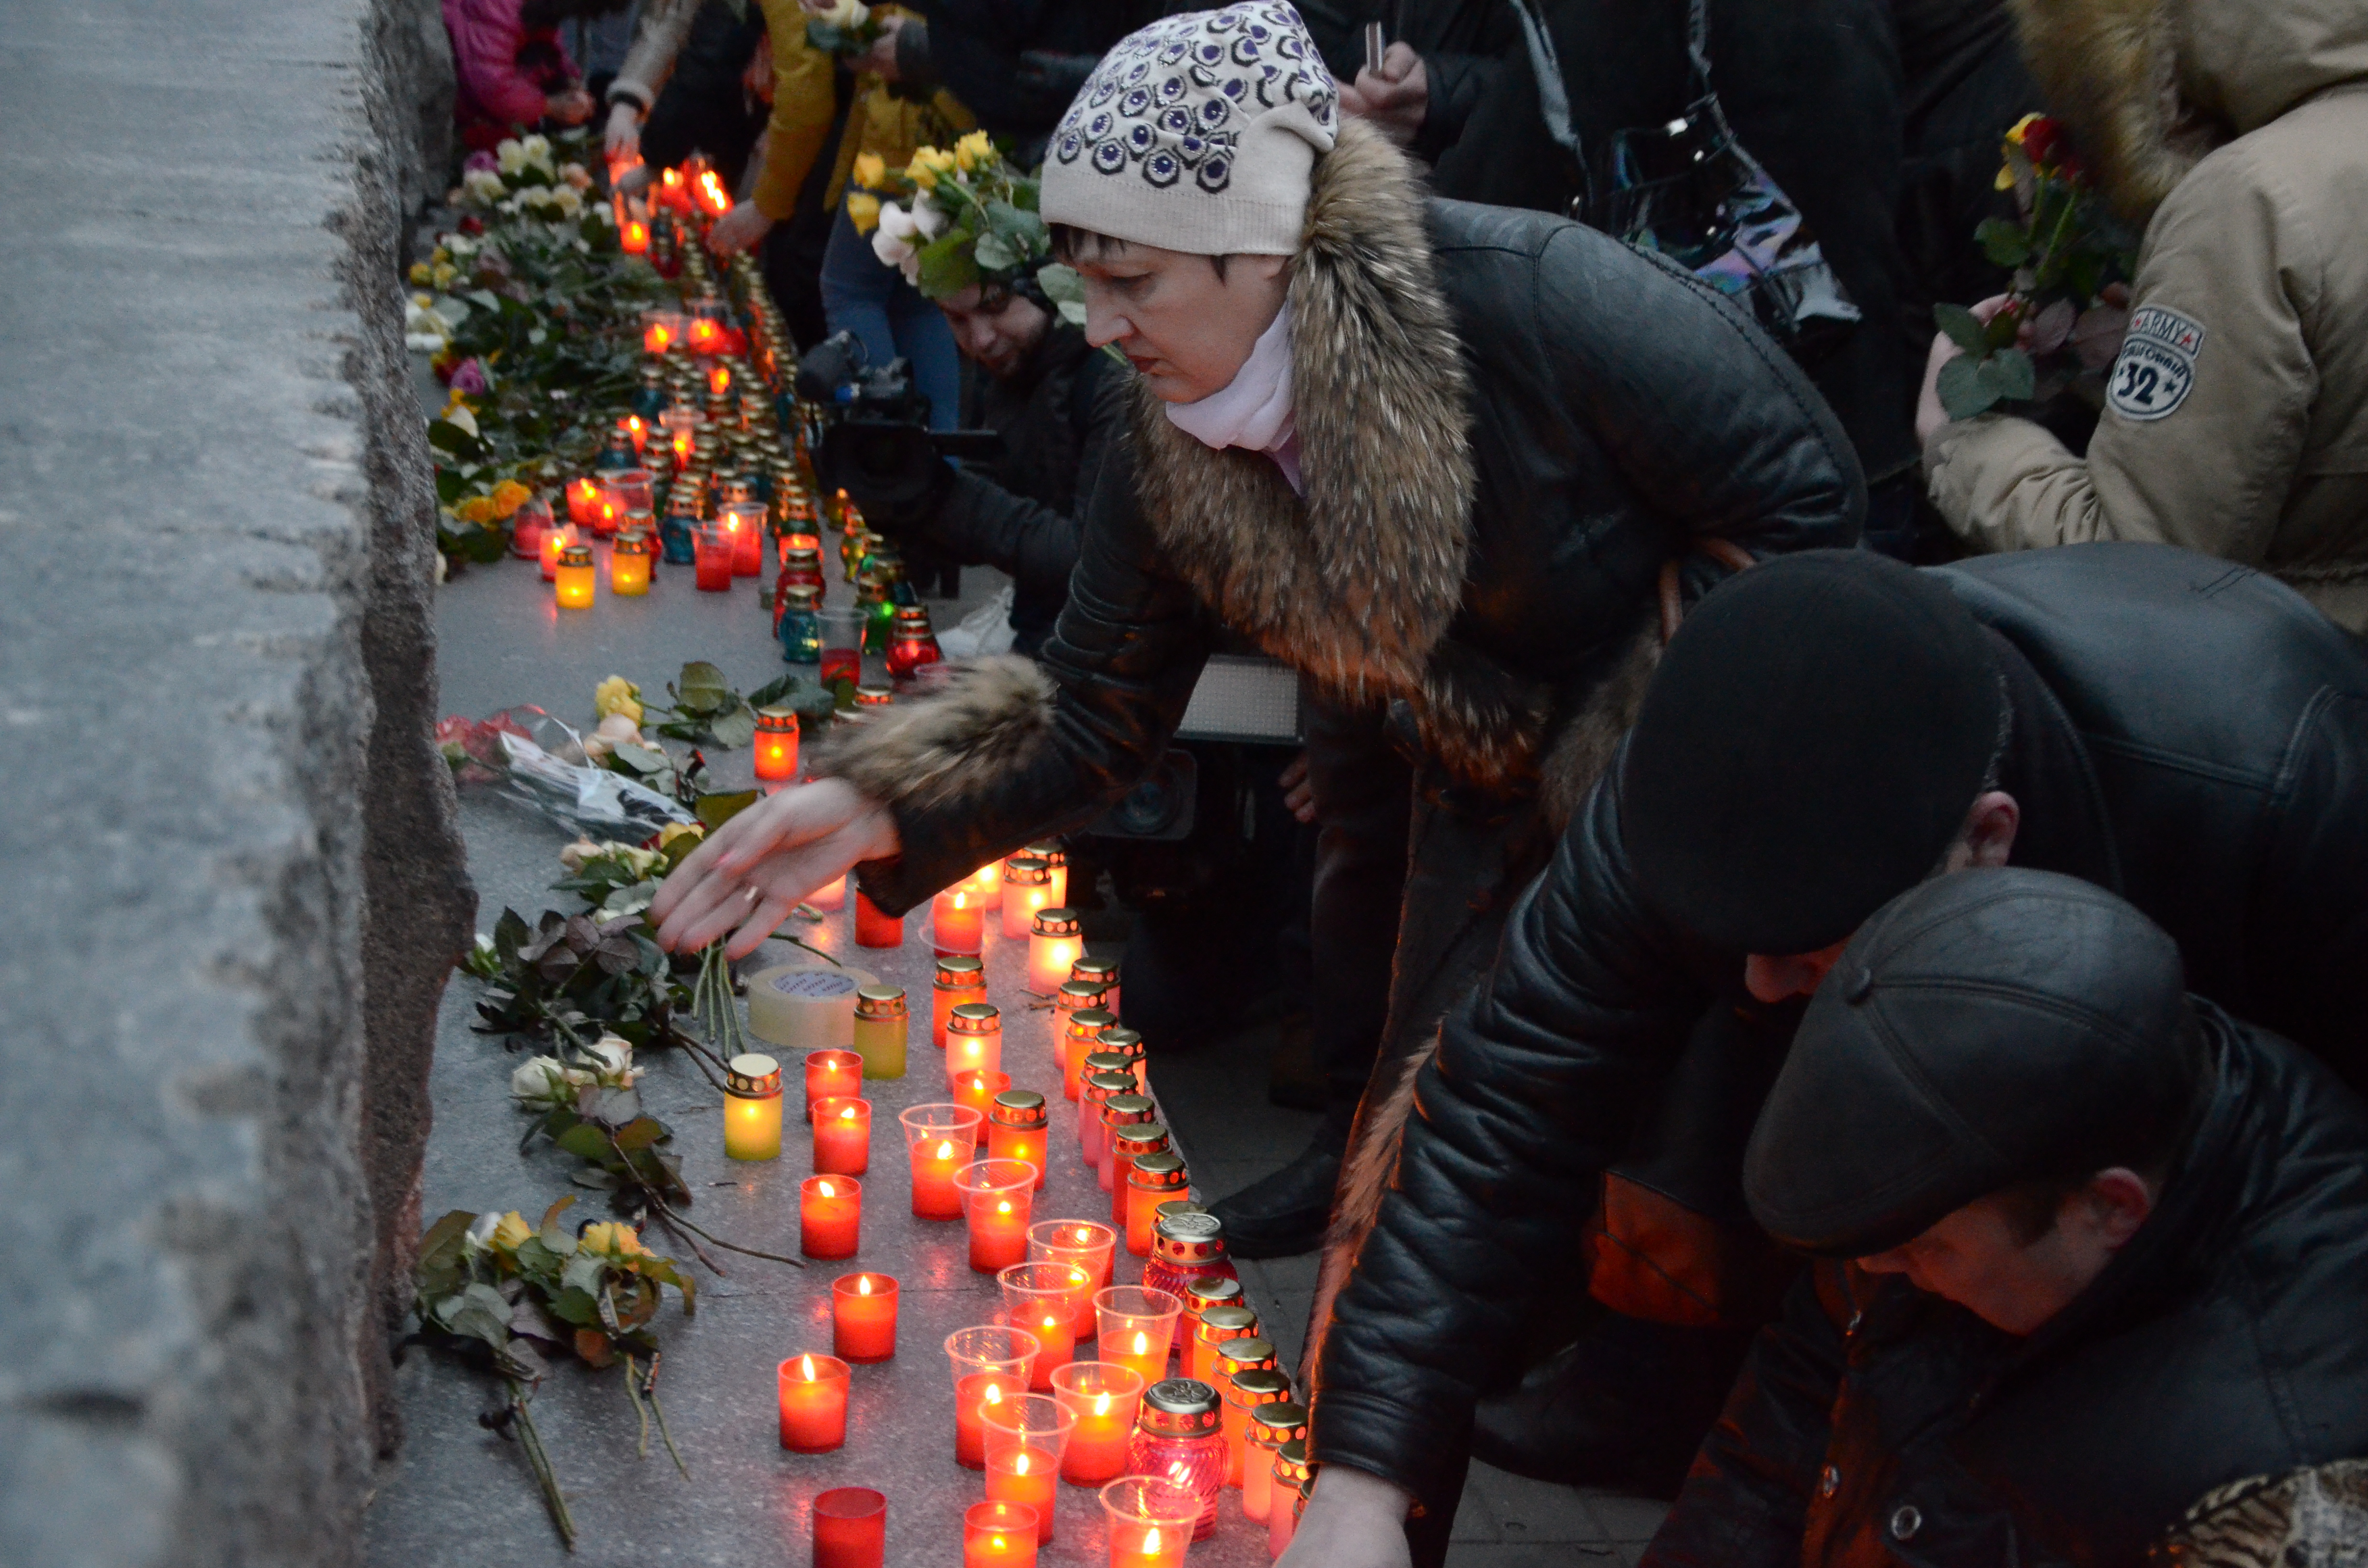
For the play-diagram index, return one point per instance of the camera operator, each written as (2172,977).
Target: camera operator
(1053,400)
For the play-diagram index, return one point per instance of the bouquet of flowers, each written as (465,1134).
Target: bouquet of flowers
(2062,319)
(952,219)
(848,28)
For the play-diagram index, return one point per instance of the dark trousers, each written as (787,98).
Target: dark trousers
(1363,799)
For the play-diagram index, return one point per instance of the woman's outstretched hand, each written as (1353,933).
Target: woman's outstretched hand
(756,868)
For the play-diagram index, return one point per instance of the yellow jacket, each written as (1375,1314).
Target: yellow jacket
(804,106)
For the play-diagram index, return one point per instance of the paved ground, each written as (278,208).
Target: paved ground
(503,644)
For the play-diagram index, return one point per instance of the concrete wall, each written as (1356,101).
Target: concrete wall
(233,881)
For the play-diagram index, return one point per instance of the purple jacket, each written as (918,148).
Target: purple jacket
(495,85)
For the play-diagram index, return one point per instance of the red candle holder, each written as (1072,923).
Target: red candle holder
(940,1138)
(976,1091)
(814,1404)
(830,1216)
(874,929)
(996,1197)
(1105,1396)
(1024,1437)
(1043,1299)
(711,556)
(998,1535)
(990,1364)
(842,1135)
(850,1529)
(1134,1328)
(832,1073)
(863,1317)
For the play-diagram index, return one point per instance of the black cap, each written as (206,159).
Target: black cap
(1808,747)
(1979,1031)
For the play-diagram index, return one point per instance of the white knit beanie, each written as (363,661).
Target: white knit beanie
(1198,133)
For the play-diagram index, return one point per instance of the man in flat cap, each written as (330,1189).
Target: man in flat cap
(1823,732)
(2109,1251)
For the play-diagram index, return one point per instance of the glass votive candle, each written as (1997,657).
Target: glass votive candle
(661,330)
(830,1216)
(556,540)
(1153,1180)
(996,1197)
(1043,1299)
(1024,1437)
(833,1074)
(863,1317)
(1212,1326)
(710,545)
(880,1025)
(630,487)
(1014,1130)
(584,502)
(1103,975)
(1271,1425)
(814,1404)
(990,1364)
(974,1040)
(940,1138)
(957,924)
(1150,1521)
(777,744)
(527,525)
(1056,869)
(1027,887)
(1053,945)
(1128,1145)
(745,521)
(1086,1028)
(1244,1391)
(1135,1328)
(752,1108)
(960,979)
(629,558)
(1122,1113)
(1185,1247)
(850,1529)
(1292,1480)
(998,1535)
(842,1135)
(1093,1094)
(1179,1438)
(1105,1397)
(572,585)
(842,644)
(988,883)
(977,1090)
(874,929)
(1084,1245)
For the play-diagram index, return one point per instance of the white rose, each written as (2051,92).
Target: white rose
(567,200)
(572,855)
(540,1080)
(510,155)
(459,246)
(483,186)
(536,150)
(892,242)
(620,727)
(482,1229)
(611,1054)
(927,219)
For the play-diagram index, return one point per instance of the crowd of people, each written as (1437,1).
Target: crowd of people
(1836,913)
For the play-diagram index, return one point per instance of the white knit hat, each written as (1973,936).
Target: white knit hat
(1198,133)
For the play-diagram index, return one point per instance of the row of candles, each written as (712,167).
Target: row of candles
(1027,1412)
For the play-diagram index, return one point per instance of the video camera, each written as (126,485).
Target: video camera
(879,447)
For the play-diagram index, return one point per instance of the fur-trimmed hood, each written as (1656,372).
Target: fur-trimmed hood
(2149,87)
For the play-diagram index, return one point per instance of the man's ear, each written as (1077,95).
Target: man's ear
(2119,1202)
(1990,828)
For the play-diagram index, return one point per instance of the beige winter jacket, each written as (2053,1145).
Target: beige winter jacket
(658,36)
(2236,414)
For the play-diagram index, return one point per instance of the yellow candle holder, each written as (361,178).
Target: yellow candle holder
(572,583)
(629,563)
(752,1108)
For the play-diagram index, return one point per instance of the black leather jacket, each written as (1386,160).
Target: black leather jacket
(1875,1424)
(1618,410)
(2187,733)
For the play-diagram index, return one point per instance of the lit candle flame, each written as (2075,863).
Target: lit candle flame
(1004,1207)
(1151,1541)
(826,1189)
(863,1283)
(848,1114)
(945,1151)
(1101,1406)
(805,1368)
(1020,1465)
(1142,1342)
(994,1394)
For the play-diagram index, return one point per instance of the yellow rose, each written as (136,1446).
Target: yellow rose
(421,273)
(609,1239)
(618,694)
(974,150)
(475,510)
(921,173)
(863,211)
(871,170)
(512,1231)
(444,274)
(674,830)
(2005,180)
(508,496)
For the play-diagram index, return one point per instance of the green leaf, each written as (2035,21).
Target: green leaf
(2003,242)
(576,1305)
(1963,328)
(1962,392)
(641,1132)
(2010,371)
(597,1179)
(583,1142)
(734,728)
(642,759)
(995,254)
(443,1238)
(718,809)
(948,266)
(450,487)
(701,689)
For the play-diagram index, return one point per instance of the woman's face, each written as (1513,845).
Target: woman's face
(1184,329)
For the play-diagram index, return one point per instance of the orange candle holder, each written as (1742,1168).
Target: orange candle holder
(957,924)
(1212,1326)
(1053,945)
(874,929)
(998,1535)
(1102,974)
(1043,1299)
(996,1197)
(1025,1437)
(1121,1114)
(1154,1180)
(1135,1328)
(830,1216)
(842,1135)
(1056,869)
(939,1139)
(629,560)
(832,1075)
(1027,887)
(990,1364)
(1128,1146)
(1244,1388)
(1072,998)
(1093,1095)
(960,980)
(1085,1246)
(850,1529)
(1086,1028)
(572,588)
(814,1404)
(863,1317)
(777,744)
(977,1091)
(973,1041)
(1015,1129)
(1150,1521)
(1106,1397)
(1273,1424)
(987,882)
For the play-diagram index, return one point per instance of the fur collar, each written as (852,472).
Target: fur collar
(1357,585)
(2109,70)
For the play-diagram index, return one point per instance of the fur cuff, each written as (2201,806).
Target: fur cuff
(927,755)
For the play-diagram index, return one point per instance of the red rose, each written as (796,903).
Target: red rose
(2041,137)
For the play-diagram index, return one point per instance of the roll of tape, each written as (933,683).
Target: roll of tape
(806,1006)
